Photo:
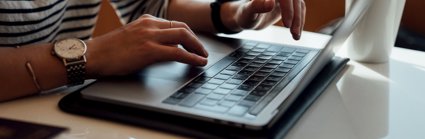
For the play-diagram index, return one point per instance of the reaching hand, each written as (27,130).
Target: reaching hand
(143,42)
(258,14)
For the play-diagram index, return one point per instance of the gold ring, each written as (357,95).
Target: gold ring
(171,24)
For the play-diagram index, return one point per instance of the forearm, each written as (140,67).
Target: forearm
(197,14)
(16,79)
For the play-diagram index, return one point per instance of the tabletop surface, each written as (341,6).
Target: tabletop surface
(366,101)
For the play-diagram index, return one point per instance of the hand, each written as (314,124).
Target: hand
(258,14)
(143,42)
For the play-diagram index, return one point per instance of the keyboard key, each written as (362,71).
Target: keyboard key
(253,53)
(187,90)
(233,68)
(216,108)
(299,54)
(171,101)
(251,69)
(256,78)
(238,110)
(245,87)
(209,102)
(258,93)
(282,69)
(245,72)
(233,97)
(191,100)
(291,62)
(280,58)
(284,54)
(264,69)
(250,83)
(261,73)
(288,49)
(277,62)
(272,66)
(303,51)
(249,45)
(278,73)
(258,50)
(255,65)
(235,81)
(228,72)
(260,61)
(228,86)
(263,46)
(289,66)
(227,103)
(216,81)
(249,57)
(223,76)
(202,79)
(236,54)
(194,85)
(247,103)
(252,98)
(222,91)
(297,58)
(239,92)
(269,53)
(240,77)
(217,67)
(273,78)
(274,48)
(179,95)
(264,57)
(209,86)
(215,96)
(269,83)
(203,91)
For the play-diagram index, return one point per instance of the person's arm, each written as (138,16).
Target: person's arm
(16,79)
(238,15)
(143,42)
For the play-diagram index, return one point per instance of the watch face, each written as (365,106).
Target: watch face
(70,48)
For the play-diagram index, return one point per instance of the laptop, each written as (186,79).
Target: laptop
(248,84)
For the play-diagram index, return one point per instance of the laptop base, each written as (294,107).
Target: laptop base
(74,103)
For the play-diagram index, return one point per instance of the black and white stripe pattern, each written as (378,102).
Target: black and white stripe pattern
(28,22)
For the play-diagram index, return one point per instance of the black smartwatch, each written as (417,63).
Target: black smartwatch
(216,17)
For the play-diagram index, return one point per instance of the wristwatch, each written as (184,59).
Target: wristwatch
(72,52)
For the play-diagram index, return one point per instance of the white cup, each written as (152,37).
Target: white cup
(373,39)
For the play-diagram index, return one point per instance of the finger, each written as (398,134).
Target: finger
(253,11)
(297,19)
(181,36)
(180,55)
(287,10)
(304,11)
(260,6)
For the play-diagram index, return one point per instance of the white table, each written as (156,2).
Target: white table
(367,101)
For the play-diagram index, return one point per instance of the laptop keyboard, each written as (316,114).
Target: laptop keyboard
(244,81)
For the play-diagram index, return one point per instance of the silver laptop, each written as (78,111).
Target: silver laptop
(249,85)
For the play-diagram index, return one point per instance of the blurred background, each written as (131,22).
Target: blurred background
(320,13)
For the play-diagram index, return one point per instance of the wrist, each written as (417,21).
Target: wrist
(223,16)
(228,15)
(91,66)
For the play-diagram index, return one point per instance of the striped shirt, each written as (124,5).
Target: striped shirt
(28,22)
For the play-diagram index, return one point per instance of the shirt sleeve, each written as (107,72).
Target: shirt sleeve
(129,10)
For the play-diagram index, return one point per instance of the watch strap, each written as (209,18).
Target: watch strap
(76,73)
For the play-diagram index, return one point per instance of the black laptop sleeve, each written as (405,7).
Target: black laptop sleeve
(73,103)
